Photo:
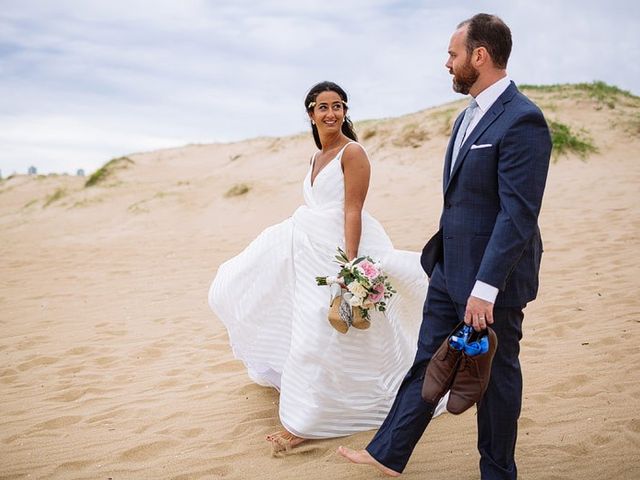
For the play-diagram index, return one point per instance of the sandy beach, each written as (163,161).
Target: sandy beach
(113,366)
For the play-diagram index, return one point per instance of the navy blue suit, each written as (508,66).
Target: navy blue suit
(488,232)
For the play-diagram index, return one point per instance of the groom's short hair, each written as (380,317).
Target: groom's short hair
(490,32)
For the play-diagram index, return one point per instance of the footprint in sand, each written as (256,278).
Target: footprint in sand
(163,344)
(526,422)
(600,440)
(152,352)
(576,449)
(70,395)
(56,423)
(634,425)
(77,393)
(73,466)
(10,439)
(37,362)
(106,360)
(196,387)
(71,370)
(146,451)
(8,375)
(110,415)
(192,432)
(607,341)
(77,351)
(167,383)
(226,366)
(31,342)
(569,384)
(214,472)
(115,333)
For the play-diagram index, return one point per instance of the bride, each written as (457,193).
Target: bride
(331,384)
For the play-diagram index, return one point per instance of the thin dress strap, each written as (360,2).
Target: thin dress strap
(345,146)
(337,156)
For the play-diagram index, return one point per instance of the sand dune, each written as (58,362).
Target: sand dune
(113,366)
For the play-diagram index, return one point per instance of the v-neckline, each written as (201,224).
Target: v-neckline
(312,179)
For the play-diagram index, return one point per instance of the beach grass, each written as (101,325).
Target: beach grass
(445,119)
(237,190)
(601,92)
(30,203)
(411,135)
(107,170)
(566,141)
(55,196)
(369,133)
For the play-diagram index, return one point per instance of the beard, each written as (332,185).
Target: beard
(464,79)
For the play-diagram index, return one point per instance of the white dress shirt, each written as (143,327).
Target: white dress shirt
(485,100)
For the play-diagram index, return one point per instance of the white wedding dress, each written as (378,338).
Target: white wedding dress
(331,384)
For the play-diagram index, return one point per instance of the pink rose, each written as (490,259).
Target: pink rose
(368,269)
(376,297)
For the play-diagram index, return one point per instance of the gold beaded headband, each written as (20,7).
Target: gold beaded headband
(313,104)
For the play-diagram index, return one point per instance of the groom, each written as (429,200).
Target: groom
(484,261)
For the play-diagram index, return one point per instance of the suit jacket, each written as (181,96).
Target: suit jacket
(492,198)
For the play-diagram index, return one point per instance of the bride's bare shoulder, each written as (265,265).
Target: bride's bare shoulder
(354,153)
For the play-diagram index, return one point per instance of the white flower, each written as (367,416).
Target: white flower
(353,300)
(357,289)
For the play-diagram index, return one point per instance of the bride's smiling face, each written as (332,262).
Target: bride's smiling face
(328,112)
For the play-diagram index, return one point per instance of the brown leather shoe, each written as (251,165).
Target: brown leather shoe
(441,371)
(472,377)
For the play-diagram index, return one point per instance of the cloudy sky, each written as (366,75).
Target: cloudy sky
(83,81)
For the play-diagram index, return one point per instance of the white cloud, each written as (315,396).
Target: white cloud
(68,144)
(89,80)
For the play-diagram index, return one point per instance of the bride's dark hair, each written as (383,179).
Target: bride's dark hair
(347,125)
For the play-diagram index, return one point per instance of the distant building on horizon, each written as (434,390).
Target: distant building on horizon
(32,170)
(80,172)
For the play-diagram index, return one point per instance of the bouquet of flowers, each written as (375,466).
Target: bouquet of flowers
(366,285)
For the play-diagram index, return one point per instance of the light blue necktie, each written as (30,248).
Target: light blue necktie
(468,115)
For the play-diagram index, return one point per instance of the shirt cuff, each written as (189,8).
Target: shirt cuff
(484,291)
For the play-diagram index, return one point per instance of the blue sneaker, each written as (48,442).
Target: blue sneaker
(478,347)
(461,340)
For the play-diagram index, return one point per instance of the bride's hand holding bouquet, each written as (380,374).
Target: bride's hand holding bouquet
(365,288)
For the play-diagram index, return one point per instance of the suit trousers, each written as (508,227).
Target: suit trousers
(498,412)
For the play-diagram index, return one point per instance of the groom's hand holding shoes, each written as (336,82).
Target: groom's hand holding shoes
(474,369)
(479,313)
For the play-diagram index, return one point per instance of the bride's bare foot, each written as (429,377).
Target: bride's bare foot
(362,457)
(283,440)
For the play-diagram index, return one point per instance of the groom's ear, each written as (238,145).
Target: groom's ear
(480,57)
